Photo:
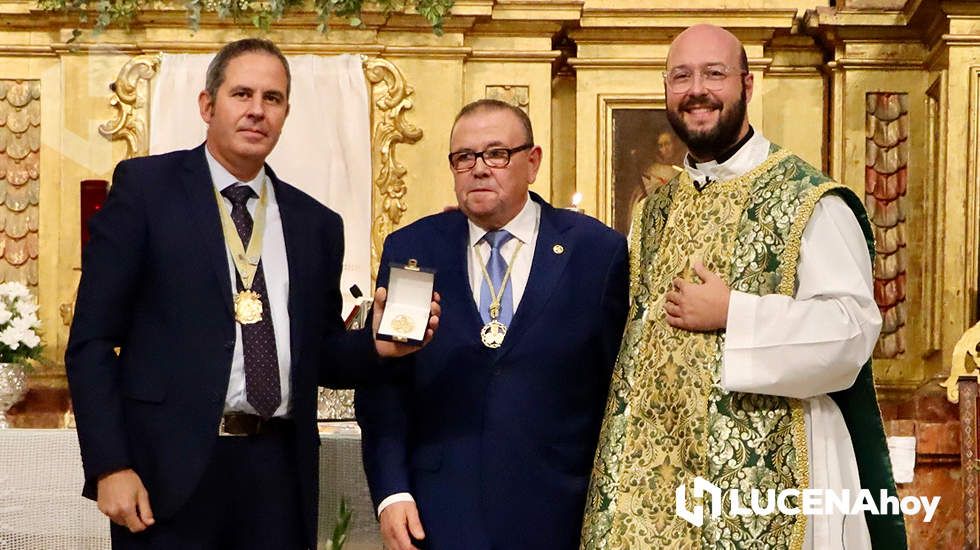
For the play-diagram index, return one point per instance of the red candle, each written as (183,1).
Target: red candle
(93,196)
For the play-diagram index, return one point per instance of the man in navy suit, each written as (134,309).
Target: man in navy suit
(488,444)
(219,284)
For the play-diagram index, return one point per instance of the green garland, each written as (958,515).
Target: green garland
(261,13)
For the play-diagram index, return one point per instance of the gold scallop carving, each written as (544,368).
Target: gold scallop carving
(888,107)
(18,199)
(18,121)
(33,245)
(20,143)
(19,94)
(34,113)
(34,191)
(19,147)
(16,251)
(870,103)
(19,172)
(886,180)
(18,224)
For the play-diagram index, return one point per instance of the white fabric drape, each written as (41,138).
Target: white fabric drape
(324,149)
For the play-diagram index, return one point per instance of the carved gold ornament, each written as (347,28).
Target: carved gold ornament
(131,101)
(392,97)
(966,360)
(517,95)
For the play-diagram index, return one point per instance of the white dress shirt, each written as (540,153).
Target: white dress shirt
(524,228)
(810,344)
(276,271)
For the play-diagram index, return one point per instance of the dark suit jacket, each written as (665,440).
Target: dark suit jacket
(496,446)
(155,283)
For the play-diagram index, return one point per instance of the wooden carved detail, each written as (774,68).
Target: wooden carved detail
(519,96)
(886,182)
(392,97)
(968,458)
(131,100)
(20,184)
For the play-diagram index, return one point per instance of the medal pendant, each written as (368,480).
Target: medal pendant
(248,307)
(492,334)
(402,324)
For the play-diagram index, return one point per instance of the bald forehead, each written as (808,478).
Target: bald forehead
(702,45)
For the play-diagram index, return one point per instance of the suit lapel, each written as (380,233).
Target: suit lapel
(458,283)
(203,208)
(547,267)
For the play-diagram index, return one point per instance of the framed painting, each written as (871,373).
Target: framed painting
(645,153)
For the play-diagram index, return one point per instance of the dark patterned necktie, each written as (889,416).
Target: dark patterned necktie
(258,339)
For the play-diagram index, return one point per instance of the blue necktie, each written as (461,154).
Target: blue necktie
(496,268)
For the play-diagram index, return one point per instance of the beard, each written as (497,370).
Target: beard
(710,143)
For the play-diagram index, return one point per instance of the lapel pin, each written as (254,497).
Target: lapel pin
(558,249)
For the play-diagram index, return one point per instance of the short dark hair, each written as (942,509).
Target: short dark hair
(497,105)
(744,60)
(231,50)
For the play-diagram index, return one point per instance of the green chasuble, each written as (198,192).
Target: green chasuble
(668,420)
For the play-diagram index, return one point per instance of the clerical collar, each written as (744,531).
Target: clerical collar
(751,151)
(730,152)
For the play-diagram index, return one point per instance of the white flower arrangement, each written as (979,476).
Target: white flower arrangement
(19,339)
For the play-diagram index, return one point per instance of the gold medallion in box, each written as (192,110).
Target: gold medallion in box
(402,325)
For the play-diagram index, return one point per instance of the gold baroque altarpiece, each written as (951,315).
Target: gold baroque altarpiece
(815,66)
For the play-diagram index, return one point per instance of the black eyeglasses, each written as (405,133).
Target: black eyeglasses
(495,157)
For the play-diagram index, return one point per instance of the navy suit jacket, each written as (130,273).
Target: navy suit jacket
(496,446)
(155,283)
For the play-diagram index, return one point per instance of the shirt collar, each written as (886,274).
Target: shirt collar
(753,153)
(522,226)
(222,178)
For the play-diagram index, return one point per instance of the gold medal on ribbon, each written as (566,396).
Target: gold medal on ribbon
(248,303)
(492,334)
(402,324)
(248,307)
